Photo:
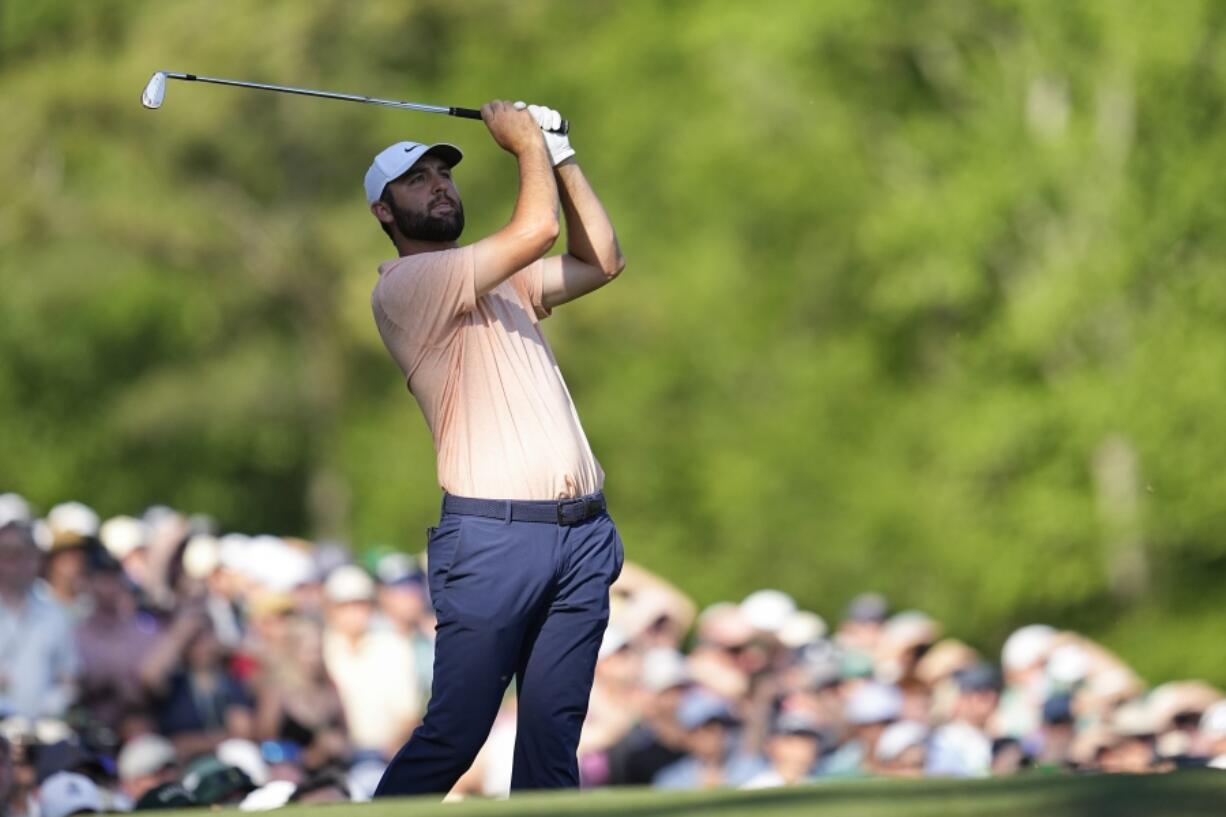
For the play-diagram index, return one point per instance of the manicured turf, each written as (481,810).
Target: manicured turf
(1182,794)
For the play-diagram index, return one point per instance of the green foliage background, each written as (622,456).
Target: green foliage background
(922,297)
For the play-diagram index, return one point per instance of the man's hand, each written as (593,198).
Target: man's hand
(513,128)
(548,119)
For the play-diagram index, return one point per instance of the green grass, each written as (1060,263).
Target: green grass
(1199,792)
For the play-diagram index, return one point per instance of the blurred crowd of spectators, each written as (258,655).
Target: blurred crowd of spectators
(151,663)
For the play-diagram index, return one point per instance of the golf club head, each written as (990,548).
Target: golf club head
(155,91)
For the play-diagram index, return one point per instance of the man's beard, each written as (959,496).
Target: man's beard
(425,227)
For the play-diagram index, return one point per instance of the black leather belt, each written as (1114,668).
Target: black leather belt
(559,512)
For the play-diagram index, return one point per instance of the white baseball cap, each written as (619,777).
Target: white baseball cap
(122,534)
(874,702)
(349,583)
(73,518)
(394,160)
(13,508)
(1213,722)
(898,737)
(1026,646)
(144,755)
(767,610)
(65,793)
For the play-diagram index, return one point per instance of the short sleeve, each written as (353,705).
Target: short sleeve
(530,281)
(420,298)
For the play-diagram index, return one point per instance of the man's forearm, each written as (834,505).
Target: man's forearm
(532,229)
(536,207)
(589,232)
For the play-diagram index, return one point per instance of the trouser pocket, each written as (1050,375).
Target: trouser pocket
(442,544)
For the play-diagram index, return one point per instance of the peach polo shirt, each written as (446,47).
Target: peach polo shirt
(503,422)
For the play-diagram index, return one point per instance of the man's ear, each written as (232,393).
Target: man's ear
(383,212)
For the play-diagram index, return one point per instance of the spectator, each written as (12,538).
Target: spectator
(145,763)
(713,759)
(1008,757)
(1177,708)
(792,749)
(902,642)
(64,571)
(614,703)
(214,783)
(268,642)
(658,739)
(1024,658)
(166,797)
(8,782)
(1212,744)
(1057,733)
(296,701)
(406,609)
(962,748)
(902,750)
(862,622)
(871,707)
(112,642)
(373,670)
(325,787)
(38,661)
(1128,746)
(66,793)
(198,702)
(648,609)
(936,671)
(125,539)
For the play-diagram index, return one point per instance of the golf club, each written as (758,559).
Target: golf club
(155,92)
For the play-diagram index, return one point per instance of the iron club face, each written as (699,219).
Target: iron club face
(155,91)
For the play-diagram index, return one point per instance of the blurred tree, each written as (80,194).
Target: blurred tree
(899,275)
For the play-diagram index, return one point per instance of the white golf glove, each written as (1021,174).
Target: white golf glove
(547,118)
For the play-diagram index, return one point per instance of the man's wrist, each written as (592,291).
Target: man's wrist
(538,150)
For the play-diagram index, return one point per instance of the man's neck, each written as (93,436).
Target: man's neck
(412,246)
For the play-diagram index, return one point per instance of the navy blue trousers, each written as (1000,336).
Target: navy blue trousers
(528,600)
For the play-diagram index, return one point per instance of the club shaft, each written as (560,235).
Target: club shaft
(287,89)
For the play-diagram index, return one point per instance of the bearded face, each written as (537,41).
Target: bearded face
(442,219)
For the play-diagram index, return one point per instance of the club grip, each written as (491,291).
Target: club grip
(473,113)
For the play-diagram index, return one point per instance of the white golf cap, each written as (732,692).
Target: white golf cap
(349,583)
(1068,664)
(144,755)
(1213,722)
(394,160)
(73,518)
(245,755)
(898,737)
(13,508)
(874,702)
(65,793)
(122,534)
(1027,646)
(202,556)
(800,628)
(664,668)
(767,610)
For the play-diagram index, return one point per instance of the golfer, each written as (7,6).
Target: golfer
(524,553)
